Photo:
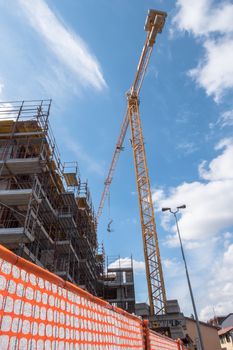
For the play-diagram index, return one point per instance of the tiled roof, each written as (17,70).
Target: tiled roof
(225,330)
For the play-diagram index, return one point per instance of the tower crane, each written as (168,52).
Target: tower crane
(156,289)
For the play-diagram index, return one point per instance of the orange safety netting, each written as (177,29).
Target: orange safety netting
(39,310)
(158,342)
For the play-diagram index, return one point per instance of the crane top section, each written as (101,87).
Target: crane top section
(155,18)
(154,24)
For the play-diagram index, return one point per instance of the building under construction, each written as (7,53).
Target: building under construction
(46,213)
(119,283)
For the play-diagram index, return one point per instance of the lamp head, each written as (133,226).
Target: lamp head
(166,209)
(182,206)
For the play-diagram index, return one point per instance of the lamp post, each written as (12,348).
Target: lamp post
(187,273)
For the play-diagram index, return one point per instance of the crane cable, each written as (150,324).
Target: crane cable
(109,215)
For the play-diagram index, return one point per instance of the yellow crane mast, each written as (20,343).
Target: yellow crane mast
(156,289)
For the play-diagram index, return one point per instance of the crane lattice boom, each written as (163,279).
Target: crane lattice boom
(156,290)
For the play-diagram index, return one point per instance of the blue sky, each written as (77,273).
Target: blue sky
(83,54)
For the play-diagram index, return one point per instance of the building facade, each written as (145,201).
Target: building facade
(46,213)
(119,284)
(209,335)
(226,338)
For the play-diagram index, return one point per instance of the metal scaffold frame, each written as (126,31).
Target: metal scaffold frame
(46,213)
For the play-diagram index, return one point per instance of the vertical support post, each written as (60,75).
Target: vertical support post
(189,284)
(154,273)
(146,334)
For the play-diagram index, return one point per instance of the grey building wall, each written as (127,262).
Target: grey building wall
(228,322)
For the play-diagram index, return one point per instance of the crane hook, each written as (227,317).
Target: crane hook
(109,226)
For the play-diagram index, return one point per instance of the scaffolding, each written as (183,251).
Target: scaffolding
(46,213)
(88,241)
(119,283)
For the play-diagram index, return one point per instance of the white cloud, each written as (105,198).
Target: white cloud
(203,225)
(220,168)
(202,17)
(7,111)
(208,268)
(205,19)
(208,209)
(158,196)
(69,48)
(226,119)
(220,287)
(6,108)
(215,71)
(209,202)
(138,266)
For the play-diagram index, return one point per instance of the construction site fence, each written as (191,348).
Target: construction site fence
(39,310)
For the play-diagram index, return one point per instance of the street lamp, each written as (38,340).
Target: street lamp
(186,270)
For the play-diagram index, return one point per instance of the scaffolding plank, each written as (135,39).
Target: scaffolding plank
(71,179)
(20,134)
(82,203)
(15,236)
(20,166)
(15,197)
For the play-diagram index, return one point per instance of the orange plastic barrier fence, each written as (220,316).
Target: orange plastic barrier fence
(39,310)
(158,342)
